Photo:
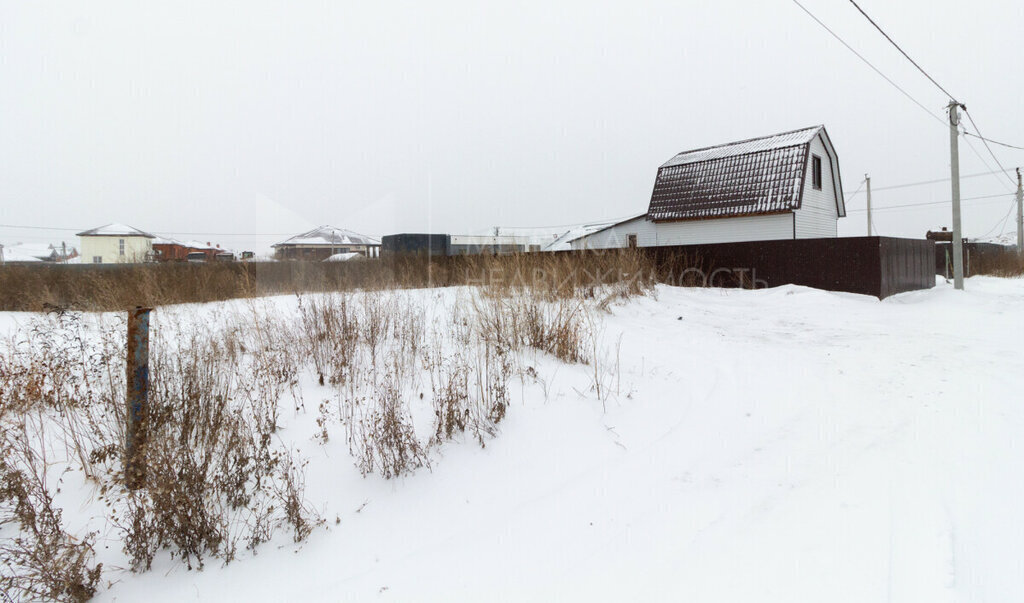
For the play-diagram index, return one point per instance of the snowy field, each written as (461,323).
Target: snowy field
(782,445)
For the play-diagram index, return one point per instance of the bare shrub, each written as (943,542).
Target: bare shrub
(330,333)
(212,465)
(451,401)
(470,394)
(215,476)
(289,490)
(42,561)
(522,319)
(493,369)
(381,435)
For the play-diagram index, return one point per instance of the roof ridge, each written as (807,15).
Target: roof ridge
(135,232)
(739,142)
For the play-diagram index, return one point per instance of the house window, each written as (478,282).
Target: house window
(816,171)
(120,246)
(97,259)
(631,240)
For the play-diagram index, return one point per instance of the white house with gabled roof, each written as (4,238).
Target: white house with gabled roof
(783,186)
(115,244)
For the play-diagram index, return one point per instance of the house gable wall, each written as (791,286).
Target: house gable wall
(818,213)
(136,249)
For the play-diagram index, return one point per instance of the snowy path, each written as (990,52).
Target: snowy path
(777,445)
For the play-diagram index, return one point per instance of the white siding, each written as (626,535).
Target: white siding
(618,235)
(726,230)
(818,215)
(691,232)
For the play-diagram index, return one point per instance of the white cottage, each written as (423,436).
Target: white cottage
(115,244)
(783,186)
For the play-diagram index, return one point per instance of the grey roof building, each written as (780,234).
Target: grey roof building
(325,241)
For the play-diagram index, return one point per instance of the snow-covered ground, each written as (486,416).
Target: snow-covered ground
(785,444)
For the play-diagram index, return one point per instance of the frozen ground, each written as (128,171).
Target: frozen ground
(776,445)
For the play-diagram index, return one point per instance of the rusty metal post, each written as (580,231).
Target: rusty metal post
(138,393)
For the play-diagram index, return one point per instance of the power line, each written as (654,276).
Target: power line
(985,142)
(924,182)
(854,193)
(868,63)
(939,86)
(591,222)
(162,232)
(982,159)
(1001,221)
(225,234)
(893,207)
(1002,144)
(913,62)
(37,227)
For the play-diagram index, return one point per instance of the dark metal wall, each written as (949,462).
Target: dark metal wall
(878,266)
(415,243)
(905,265)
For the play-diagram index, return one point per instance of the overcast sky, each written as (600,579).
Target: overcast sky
(258,119)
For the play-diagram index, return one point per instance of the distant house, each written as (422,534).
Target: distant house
(12,256)
(783,186)
(208,249)
(116,244)
(169,250)
(41,252)
(322,242)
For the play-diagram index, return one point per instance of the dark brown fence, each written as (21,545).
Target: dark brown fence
(979,258)
(878,266)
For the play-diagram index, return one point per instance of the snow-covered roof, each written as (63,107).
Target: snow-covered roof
(193,244)
(328,236)
(598,228)
(344,257)
(755,176)
(549,238)
(115,230)
(200,245)
(1006,238)
(40,251)
(742,147)
(491,240)
(11,254)
(166,241)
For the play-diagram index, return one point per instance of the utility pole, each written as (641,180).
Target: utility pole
(954,166)
(1020,215)
(868,180)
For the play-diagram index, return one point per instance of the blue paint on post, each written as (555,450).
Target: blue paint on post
(138,395)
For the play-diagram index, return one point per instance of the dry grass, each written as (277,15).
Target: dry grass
(219,479)
(42,561)
(216,477)
(87,287)
(1006,264)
